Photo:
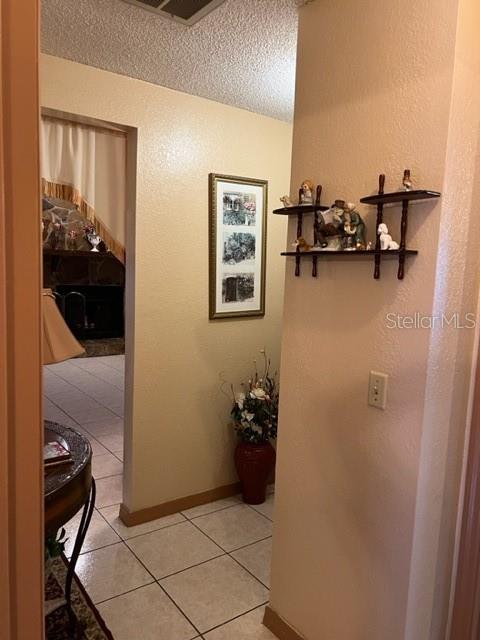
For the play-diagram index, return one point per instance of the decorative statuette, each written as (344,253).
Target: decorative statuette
(353,227)
(386,241)
(285,200)
(328,230)
(301,244)
(407,182)
(306,192)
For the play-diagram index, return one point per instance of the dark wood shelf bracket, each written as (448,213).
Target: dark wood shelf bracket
(380,200)
(397,197)
(381,191)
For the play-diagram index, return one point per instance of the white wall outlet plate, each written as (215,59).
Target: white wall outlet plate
(377,389)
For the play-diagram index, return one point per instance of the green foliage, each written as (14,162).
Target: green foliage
(255,409)
(55,545)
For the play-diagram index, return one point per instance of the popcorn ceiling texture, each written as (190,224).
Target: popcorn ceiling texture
(242,54)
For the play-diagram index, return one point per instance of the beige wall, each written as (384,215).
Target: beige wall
(180,441)
(365,513)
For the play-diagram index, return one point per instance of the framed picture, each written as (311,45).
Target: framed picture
(238,238)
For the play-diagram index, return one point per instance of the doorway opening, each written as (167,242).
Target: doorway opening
(88,226)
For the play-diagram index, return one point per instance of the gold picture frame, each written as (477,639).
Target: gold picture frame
(237,246)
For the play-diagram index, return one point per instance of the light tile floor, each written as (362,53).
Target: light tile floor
(203,573)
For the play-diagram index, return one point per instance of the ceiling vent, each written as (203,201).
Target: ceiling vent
(187,12)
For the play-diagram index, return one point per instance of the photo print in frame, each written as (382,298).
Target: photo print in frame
(238,240)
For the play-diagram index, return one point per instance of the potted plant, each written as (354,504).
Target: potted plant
(255,419)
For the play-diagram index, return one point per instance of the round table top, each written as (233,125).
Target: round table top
(66,485)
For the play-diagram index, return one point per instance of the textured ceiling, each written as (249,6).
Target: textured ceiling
(242,54)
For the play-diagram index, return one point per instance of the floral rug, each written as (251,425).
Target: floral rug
(87,625)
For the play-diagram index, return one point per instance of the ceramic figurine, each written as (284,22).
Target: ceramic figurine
(407,182)
(306,196)
(370,246)
(302,244)
(325,232)
(353,226)
(285,200)
(386,241)
(328,229)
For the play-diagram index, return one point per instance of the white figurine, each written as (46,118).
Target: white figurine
(386,241)
(285,200)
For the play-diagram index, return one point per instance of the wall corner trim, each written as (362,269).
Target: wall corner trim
(132,518)
(279,627)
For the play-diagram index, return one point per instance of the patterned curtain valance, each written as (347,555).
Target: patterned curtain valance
(87,167)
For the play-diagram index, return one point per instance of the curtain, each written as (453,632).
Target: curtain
(87,166)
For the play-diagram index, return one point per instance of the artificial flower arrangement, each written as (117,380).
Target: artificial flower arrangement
(255,409)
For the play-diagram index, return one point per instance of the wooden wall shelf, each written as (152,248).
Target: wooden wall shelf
(400,196)
(299,209)
(357,252)
(379,200)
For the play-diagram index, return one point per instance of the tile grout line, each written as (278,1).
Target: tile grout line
(259,512)
(228,553)
(219,626)
(63,411)
(193,566)
(114,475)
(161,528)
(157,580)
(248,571)
(218,544)
(124,593)
(250,544)
(139,535)
(75,360)
(87,394)
(164,591)
(84,428)
(87,371)
(230,506)
(154,579)
(81,424)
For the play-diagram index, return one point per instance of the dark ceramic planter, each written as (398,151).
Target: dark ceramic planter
(254,463)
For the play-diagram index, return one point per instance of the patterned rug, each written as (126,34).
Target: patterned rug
(88,624)
(103,347)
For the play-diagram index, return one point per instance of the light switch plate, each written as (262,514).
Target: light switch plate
(377,389)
